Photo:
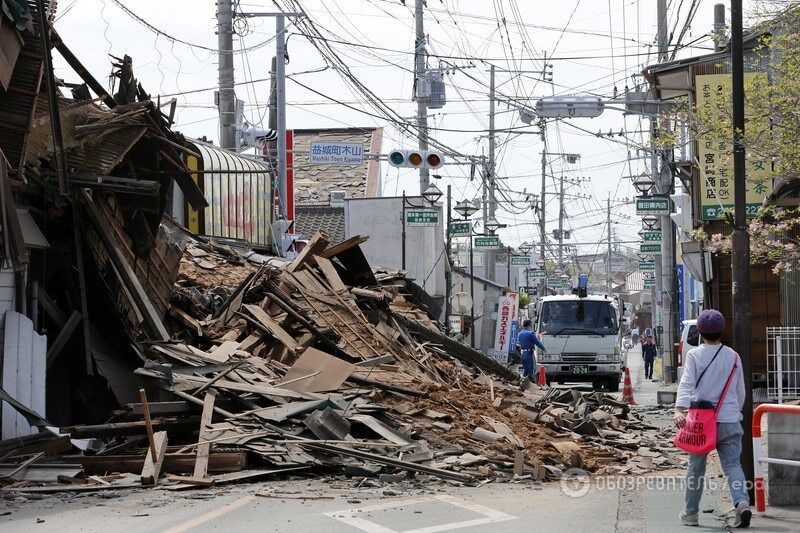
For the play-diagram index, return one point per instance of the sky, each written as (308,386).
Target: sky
(594,46)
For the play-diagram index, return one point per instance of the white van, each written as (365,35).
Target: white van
(690,338)
(581,336)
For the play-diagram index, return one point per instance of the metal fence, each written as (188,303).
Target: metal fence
(783,363)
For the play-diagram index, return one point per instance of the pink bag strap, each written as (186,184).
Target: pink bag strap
(728,383)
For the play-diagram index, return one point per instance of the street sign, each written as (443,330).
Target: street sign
(651,236)
(422,217)
(652,206)
(459,228)
(336,153)
(520,260)
(487,243)
(535,275)
(650,248)
(558,283)
(649,283)
(647,266)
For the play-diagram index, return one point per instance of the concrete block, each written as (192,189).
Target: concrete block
(783,481)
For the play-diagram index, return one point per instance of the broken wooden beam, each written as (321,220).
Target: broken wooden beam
(63,336)
(154,460)
(203,446)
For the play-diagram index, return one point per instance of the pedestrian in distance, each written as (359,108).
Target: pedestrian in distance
(711,371)
(635,335)
(527,341)
(649,353)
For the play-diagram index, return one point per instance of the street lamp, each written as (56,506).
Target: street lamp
(432,194)
(466,209)
(650,221)
(643,183)
(540,263)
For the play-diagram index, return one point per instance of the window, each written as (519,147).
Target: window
(692,336)
(578,317)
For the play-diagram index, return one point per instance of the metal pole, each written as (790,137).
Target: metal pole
(471,291)
(542,218)
(403,217)
(561,224)
(719,27)
(608,259)
(280,74)
(662,30)
(422,102)
(508,267)
(227,97)
(52,100)
(448,273)
(740,258)
(489,256)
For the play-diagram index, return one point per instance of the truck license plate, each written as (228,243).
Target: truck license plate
(583,369)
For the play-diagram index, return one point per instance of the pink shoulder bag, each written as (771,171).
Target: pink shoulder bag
(699,434)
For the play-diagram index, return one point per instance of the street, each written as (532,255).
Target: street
(340,505)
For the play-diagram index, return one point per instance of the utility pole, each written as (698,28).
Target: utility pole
(664,184)
(561,224)
(608,258)
(422,102)
(279,69)
(740,258)
(542,218)
(489,255)
(226,98)
(448,273)
(280,93)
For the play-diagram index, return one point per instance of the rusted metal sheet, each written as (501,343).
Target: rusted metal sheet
(238,190)
(18,102)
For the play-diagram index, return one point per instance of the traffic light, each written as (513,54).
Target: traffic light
(682,217)
(416,159)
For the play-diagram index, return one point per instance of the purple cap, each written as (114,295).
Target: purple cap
(710,321)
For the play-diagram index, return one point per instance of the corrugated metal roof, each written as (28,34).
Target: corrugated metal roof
(239,195)
(17,104)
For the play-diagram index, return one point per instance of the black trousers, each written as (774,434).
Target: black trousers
(648,367)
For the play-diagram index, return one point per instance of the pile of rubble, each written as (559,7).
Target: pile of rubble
(318,365)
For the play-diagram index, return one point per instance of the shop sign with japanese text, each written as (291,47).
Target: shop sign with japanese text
(716,158)
(336,153)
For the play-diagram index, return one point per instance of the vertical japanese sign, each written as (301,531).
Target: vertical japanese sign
(505,337)
(716,158)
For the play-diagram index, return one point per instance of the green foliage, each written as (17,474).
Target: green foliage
(524,300)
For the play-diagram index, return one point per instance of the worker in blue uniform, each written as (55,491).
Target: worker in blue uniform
(527,341)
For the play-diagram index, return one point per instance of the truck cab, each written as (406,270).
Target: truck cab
(581,336)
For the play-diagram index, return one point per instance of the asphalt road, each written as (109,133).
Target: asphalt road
(342,505)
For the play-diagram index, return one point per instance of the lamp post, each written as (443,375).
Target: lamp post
(525,248)
(431,195)
(467,209)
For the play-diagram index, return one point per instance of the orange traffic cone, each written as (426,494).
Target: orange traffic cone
(627,391)
(541,380)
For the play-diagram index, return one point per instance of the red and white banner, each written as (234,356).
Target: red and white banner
(505,335)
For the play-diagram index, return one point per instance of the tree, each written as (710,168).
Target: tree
(771,134)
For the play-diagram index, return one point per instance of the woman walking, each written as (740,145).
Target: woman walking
(706,371)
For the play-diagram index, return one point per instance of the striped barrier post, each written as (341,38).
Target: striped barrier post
(758,458)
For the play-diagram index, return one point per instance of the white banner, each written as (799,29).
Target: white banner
(505,337)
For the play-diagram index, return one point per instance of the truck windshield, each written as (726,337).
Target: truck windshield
(578,318)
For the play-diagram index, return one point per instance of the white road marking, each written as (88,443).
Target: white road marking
(349,516)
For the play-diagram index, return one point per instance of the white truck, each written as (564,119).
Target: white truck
(581,336)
